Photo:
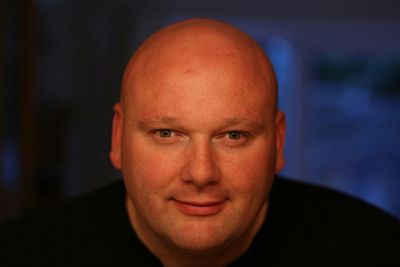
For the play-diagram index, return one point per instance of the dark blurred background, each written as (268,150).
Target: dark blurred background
(61,62)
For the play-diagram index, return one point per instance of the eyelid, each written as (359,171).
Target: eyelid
(243,133)
(243,138)
(171,138)
(163,129)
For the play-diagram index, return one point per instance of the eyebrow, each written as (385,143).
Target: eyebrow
(154,120)
(237,121)
(231,122)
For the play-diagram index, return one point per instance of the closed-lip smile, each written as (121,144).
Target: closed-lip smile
(199,208)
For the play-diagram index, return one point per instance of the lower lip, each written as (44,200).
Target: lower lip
(199,210)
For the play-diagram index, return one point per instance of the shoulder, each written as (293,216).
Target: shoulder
(323,225)
(323,203)
(78,227)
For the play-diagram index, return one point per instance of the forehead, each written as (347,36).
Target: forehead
(200,95)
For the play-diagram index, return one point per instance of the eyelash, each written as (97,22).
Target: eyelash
(159,131)
(173,133)
(240,133)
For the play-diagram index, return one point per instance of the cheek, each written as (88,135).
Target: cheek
(252,173)
(145,169)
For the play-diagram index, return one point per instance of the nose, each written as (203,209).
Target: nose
(201,168)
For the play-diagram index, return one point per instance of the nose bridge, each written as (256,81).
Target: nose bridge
(201,163)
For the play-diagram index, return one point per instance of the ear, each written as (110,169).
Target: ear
(280,133)
(116,138)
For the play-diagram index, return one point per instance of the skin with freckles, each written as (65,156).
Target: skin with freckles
(198,139)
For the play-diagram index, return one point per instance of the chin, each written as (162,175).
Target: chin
(201,239)
(201,246)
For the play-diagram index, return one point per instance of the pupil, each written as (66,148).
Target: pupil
(234,135)
(165,133)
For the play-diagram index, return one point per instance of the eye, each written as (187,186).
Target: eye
(235,138)
(166,136)
(165,133)
(234,135)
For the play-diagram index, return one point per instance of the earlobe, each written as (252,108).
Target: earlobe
(280,133)
(117,126)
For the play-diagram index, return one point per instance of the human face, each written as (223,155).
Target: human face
(198,149)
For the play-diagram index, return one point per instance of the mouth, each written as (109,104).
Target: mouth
(196,208)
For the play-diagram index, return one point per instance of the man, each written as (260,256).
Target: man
(198,138)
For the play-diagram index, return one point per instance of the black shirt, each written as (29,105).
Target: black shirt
(305,226)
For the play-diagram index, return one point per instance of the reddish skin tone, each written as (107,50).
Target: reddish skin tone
(198,139)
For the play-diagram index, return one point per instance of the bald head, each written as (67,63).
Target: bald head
(194,46)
